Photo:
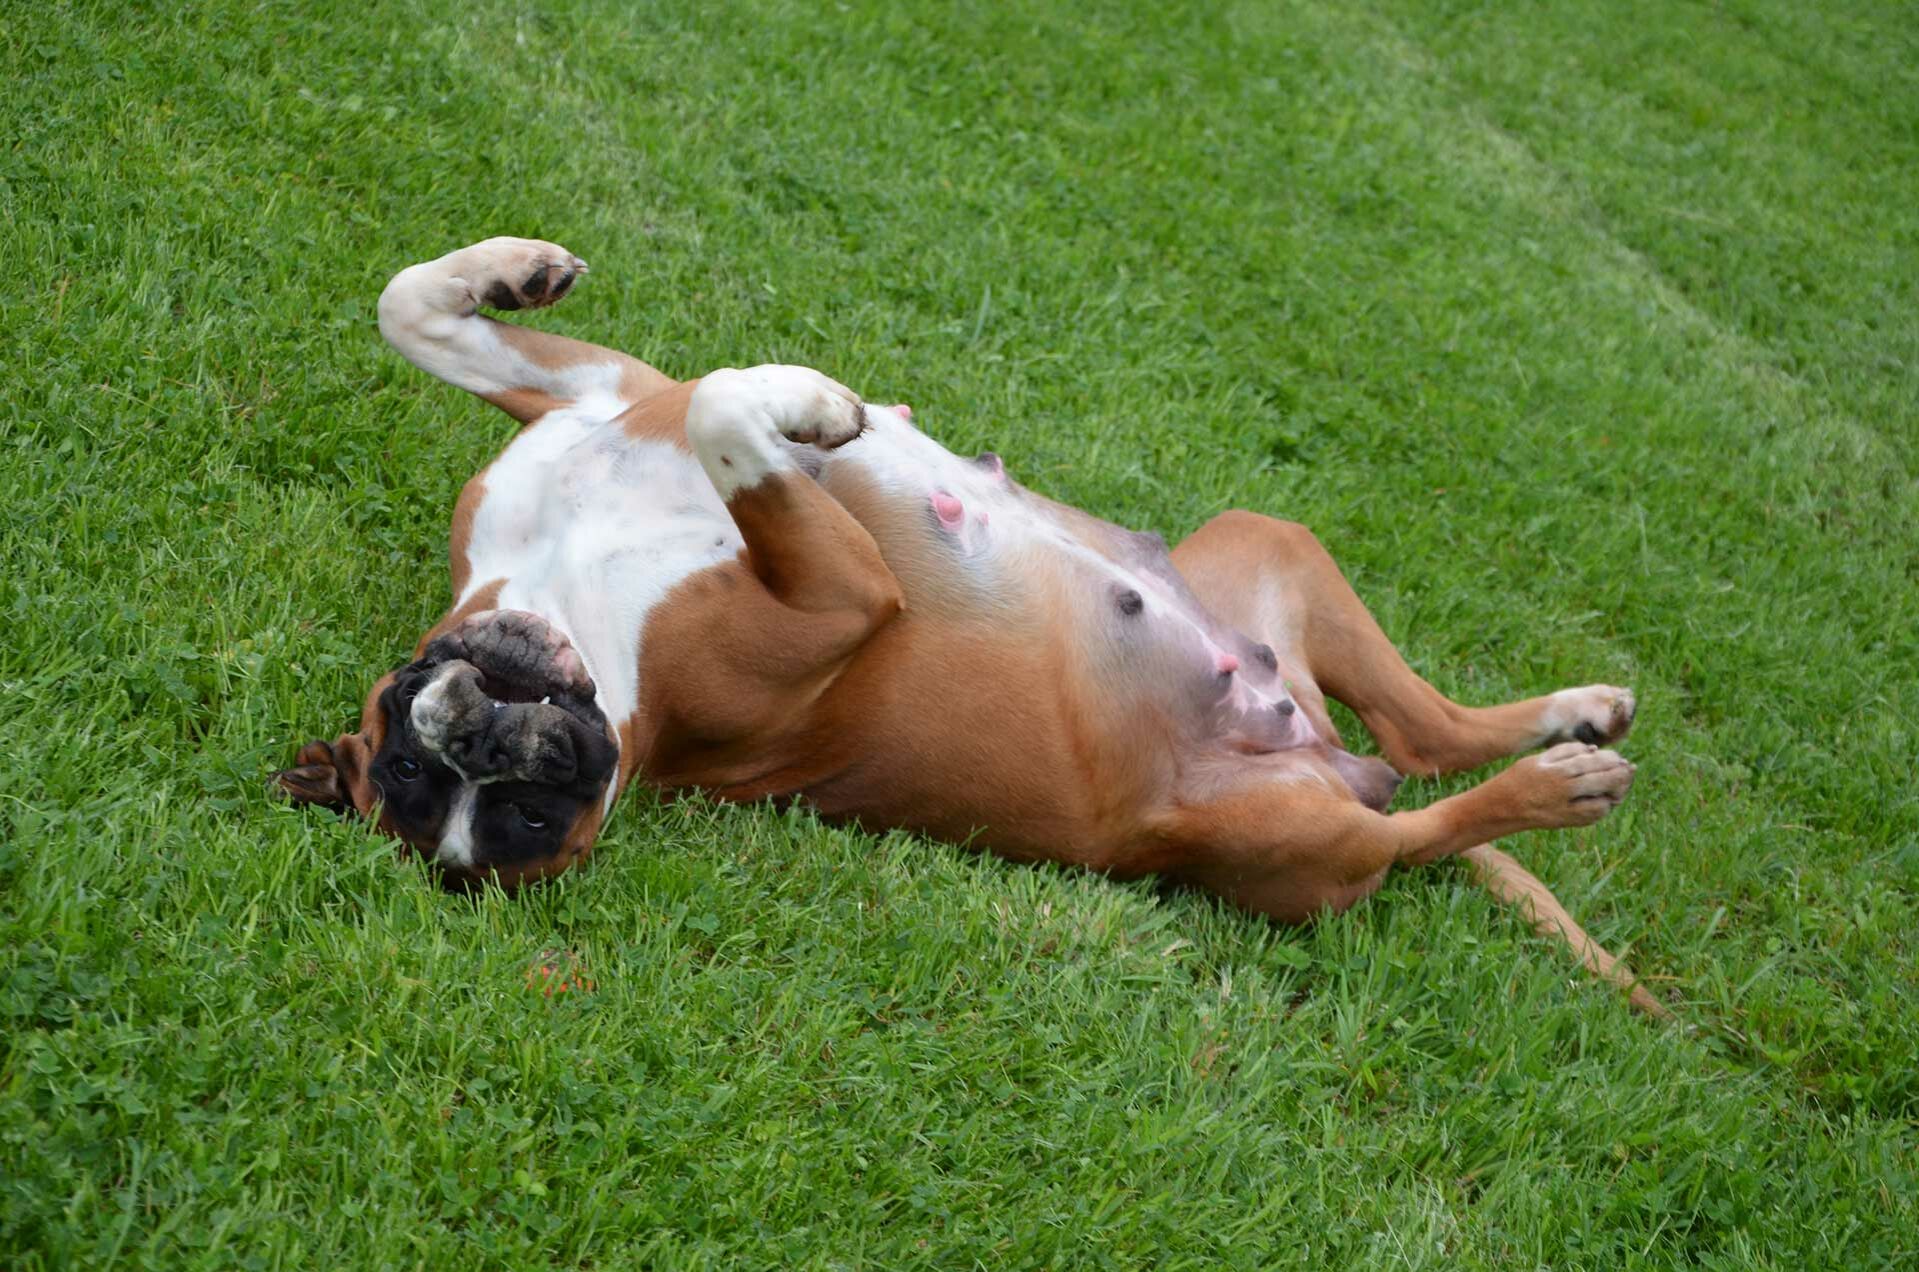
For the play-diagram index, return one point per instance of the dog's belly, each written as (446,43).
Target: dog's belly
(591,528)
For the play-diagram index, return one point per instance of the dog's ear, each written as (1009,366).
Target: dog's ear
(315,778)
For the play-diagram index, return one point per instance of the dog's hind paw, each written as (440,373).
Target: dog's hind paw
(1593,781)
(1572,784)
(1597,715)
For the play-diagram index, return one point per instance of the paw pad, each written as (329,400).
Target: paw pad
(1600,714)
(545,284)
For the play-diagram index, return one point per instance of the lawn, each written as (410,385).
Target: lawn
(1585,335)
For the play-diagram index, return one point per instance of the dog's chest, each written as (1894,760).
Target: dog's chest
(592,528)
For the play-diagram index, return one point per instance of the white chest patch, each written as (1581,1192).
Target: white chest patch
(591,529)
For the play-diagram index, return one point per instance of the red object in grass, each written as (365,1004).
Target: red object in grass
(558,972)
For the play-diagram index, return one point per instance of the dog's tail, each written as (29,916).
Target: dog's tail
(1516,885)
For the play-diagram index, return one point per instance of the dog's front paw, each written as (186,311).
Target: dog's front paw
(517,273)
(809,407)
(801,404)
(740,423)
(1597,715)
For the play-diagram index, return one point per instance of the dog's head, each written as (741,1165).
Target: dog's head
(489,754)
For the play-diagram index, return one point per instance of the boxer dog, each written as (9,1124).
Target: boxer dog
(757,585)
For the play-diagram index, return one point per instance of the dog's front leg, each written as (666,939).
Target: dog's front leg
(761,638)
(430,312)
(808,551)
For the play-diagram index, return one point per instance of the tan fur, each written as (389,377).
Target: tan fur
(465,509)
(660,416)
(637,381)
(1273,578)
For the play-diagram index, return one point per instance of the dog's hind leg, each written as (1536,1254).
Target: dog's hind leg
(430,313)
(1274,581)
(1287,848)
(1283,848)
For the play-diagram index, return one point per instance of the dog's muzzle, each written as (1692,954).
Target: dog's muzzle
(509,699)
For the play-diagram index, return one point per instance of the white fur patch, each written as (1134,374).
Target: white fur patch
(427,312)
(1595,705)
(591,529)
(456,835)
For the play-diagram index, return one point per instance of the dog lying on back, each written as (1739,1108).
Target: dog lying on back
(756,584)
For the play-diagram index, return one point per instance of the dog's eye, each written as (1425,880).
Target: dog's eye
(529,818)
(406,769)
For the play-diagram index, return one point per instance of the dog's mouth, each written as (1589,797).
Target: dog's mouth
(510,691)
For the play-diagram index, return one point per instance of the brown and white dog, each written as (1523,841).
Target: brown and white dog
(756,585)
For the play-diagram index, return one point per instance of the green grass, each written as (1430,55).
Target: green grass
(1586,335)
